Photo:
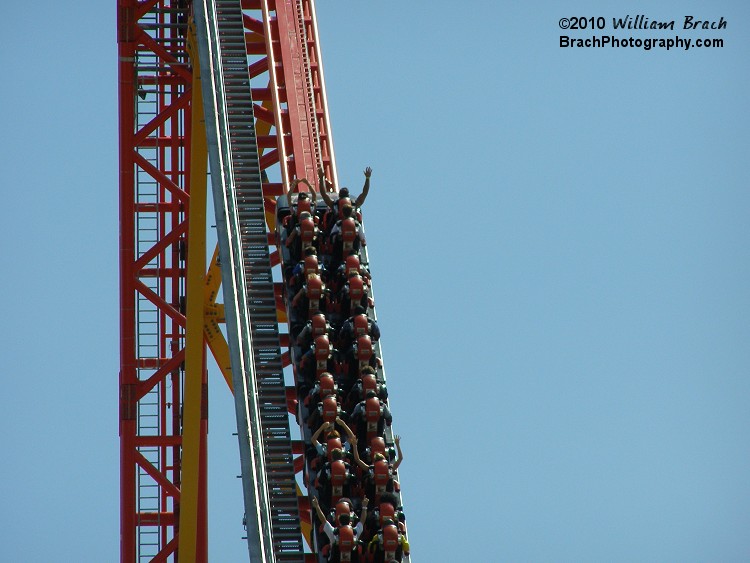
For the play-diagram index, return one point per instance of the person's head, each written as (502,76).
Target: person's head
(344,192)
(347,211)
(390,498)
(344,519)
(337,455)
(378,457)
(311,251)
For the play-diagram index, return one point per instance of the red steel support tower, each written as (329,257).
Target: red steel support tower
(155,92)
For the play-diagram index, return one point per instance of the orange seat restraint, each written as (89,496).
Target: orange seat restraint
(361,324)
(387,511)
(304,205)
(352,265)
(356,288)
(310,266)
(369,383)
(348,234)
(327,385)
(322,348)
(346,542)
(339,475)
(364,351)
(330,409)
(314,291)
(322,352)
(382,475)
(318,325)
(390,541)
(372,415)
(342,507)
(307,231)
(377,446)
(333,444)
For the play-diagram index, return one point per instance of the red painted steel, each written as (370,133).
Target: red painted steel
(154,109)
(155,80)
(284,68)
(293,129)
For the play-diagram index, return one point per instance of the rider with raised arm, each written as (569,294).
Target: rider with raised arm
(343,538)
(326,184)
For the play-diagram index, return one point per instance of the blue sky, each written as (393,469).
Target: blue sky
(559,247)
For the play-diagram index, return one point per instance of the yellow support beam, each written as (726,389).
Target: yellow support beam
(213,311)
(203,319)
(213,315)
(305,526)
(194,342)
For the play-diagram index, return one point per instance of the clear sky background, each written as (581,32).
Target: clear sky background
(559,246)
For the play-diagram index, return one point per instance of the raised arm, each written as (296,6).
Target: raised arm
(349,433)
(365,189)
(314,437)
(399,453)
(302,181)
(324,185)
(363,515)
(318,511)
(362,465)
(312,190)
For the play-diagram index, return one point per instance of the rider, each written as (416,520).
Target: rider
(325,184)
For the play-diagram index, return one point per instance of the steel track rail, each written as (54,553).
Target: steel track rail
(272,514)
